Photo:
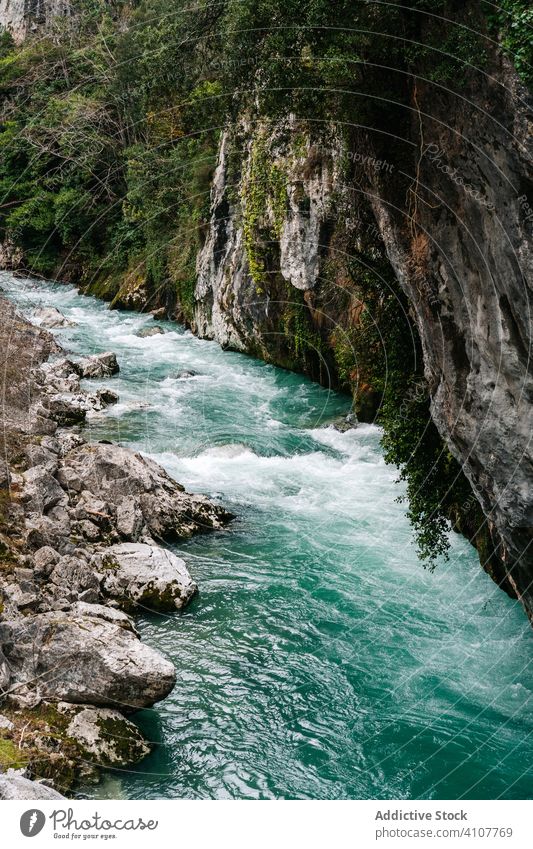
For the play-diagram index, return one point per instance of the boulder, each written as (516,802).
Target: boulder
(4,474)
(45,559)
(106,737)
(98,365)
(44,532)
(186,374)
(13,785)
(144,332)
(145,575)
(38,455)
(167,510)
(50,317)
(107,396)
(130,520)
(108,614)
(41,491)
(349,422)
(74,657)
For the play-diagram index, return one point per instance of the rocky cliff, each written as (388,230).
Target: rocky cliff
(448,206)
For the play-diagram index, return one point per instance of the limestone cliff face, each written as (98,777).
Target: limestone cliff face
(462,249)
(451,201)
(21,17)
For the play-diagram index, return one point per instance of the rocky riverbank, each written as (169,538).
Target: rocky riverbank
(81,527)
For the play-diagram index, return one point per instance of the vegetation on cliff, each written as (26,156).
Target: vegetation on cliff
(109,130)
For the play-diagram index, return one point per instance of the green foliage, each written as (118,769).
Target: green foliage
(383,352)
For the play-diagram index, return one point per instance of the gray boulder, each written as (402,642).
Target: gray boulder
(61,375)
(41,490)
(98,365)
(68,409)
(146,575)
(106,737)
(144,332)
(167,510)
(71,578)
(5,674)
(108,614)
(13,786)
(74,657)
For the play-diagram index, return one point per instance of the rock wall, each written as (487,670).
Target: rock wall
(451,202)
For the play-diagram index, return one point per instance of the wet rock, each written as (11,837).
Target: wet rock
(107,737)
(13,785)
(98,365)
(145,575)
(73,657)
(145,332)
(186,374)
(50,317)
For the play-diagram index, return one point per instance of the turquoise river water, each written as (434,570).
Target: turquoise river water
(320,660)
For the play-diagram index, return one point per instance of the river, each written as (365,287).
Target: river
(320,660)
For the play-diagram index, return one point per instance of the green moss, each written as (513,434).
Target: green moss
(264,189)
